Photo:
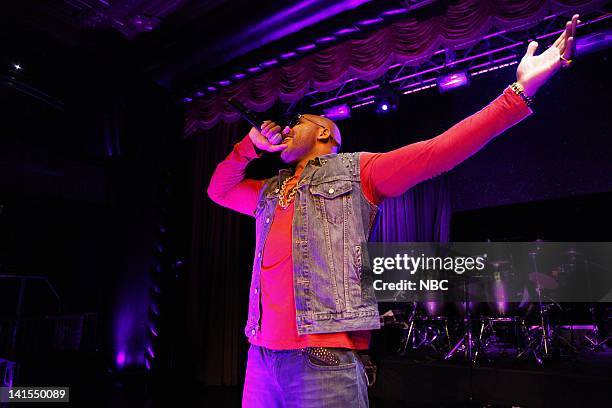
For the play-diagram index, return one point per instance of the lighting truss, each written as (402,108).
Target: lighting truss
(494,51)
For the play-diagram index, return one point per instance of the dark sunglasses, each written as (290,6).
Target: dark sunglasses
(295,119)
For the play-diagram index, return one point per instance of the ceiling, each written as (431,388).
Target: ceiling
(183,44)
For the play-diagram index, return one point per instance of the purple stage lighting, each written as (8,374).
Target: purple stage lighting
(211,88)
(154,309)
(338,112)
(370,22)
(306,48)
(325,40)
(269,63)
(500,297)
(394,12)
(296,16)
(386,105)
(225,82)
(452,81)
(288,55)
(346,31)
(593,42)
(120,359)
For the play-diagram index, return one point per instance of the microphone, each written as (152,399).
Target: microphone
(251,117)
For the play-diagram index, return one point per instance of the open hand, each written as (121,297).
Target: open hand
(535,70)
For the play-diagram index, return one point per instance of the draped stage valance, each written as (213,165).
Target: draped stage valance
(406,41)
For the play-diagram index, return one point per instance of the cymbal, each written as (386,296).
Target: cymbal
(544,281)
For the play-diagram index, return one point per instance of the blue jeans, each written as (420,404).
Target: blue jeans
(289,378)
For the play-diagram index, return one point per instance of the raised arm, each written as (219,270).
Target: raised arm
(391,174)
(228,186)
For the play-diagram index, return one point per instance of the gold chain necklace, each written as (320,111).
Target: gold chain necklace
(285,199)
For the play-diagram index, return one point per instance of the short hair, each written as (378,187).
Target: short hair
(333,128)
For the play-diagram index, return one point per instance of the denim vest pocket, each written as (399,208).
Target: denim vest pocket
(328,198)
(330,189)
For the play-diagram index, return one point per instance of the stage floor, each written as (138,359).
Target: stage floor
(582,380)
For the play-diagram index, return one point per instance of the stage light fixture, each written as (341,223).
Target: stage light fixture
(386,105)
(269,63)
(306,48)
(288,55)
(386,99)
(346,31)
(395,12)
(17,67)
(325,40)
(338,112)
(370,22)
(154,308)
(452,81)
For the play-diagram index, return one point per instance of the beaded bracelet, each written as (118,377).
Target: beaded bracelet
(520,91)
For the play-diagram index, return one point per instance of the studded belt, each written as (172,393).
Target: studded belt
(326,357)
(323,355)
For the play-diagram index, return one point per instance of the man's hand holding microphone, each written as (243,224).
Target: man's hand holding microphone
(270,137)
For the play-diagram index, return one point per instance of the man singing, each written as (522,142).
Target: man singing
(310,307)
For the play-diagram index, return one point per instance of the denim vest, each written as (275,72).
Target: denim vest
(332,221)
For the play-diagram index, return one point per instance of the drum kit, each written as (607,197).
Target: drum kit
(498,318)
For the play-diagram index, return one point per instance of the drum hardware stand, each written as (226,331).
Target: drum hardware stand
(596,344)
(410,325)
(488,332)
(468,342)
(538,344)
(424,336)
(540,340)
